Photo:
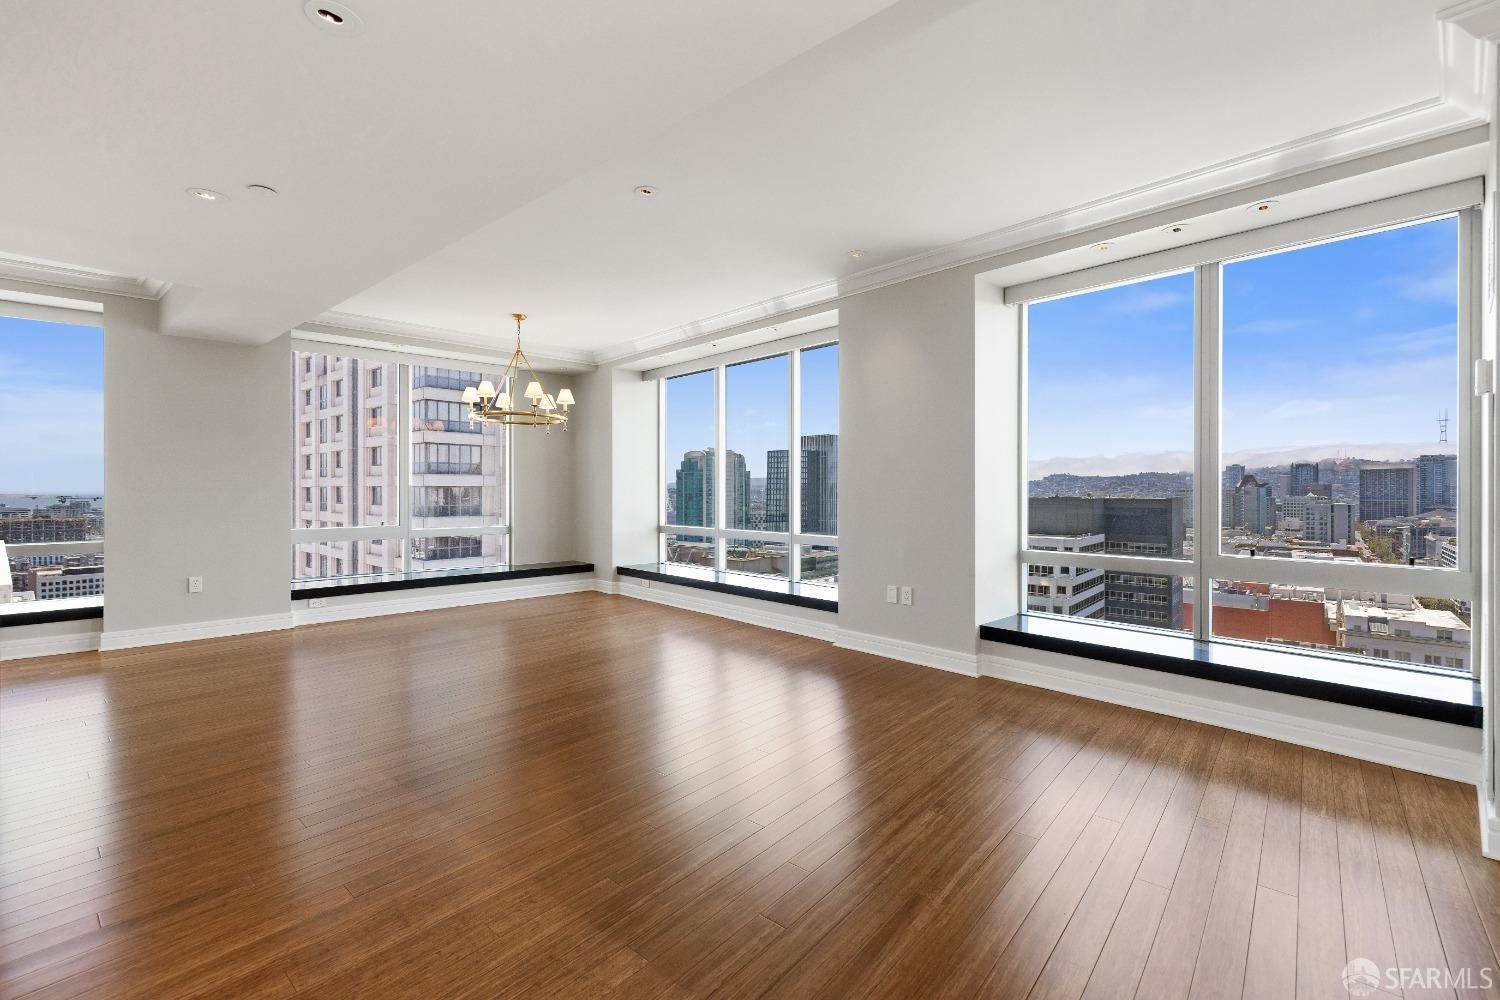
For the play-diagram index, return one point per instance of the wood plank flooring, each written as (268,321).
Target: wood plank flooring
(592,796)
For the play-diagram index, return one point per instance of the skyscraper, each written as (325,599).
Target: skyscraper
(777,515)
(820,484)
(1304,474)
(1147,526)
(1250,505)
(1437,483)
(695,490)
(1232,475)
(1387,490)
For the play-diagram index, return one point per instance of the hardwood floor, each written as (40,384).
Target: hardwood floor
(592,796)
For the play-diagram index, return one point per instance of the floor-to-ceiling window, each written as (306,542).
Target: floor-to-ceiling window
(388,473)
(52,465)
(769,508)
(1264,437)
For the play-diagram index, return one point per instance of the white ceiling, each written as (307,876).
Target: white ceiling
(455,163)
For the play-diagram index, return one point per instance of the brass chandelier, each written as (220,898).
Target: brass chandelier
(491,404)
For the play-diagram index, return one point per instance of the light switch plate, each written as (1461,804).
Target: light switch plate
(890,593)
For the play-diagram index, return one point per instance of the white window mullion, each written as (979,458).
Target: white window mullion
(1023,506)
(794,470)
(661,467)
(404,466)
(1207,390)
(720,461)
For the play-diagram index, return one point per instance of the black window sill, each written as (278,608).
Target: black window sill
(380,583)
(818,598)
(1344,680)
(46,616)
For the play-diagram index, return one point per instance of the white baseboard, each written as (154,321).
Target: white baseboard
(155,636)
(951,660)
(435,601)
(722,609)
(1364,744)
(48,645)
(606,586)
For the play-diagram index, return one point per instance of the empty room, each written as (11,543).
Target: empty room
(861,499)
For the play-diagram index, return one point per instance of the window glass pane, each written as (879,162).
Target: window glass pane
(1127,598)
(1340,374)
(340,435)
(820,564)
(329,560)
(458,469)
(52,476)
(457,551)
(820,445)
(1394,629)
(757,424)
(753,557)
(690,550)
(1110,417)
(690,435)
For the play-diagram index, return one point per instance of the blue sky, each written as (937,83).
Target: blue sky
(1338,346)
(755,407)
(51,407)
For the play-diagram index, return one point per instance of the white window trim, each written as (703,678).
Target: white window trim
(1207,260)
(401,528)
(794,538)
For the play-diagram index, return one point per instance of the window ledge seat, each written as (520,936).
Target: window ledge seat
(70,609)
(382,582)
(802,595)
(1344,680)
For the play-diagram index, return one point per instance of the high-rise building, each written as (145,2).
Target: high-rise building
(820,484)
(1075,591)
(695,489)
(1146,526)
(1304,474)
(777,515)
(1232,475)
(1387,490)
(1437,483)
(1250,505)
(347,473)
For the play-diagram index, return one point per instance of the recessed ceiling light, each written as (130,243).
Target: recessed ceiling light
(264,190)
(1104,247)
(207,194)
(646,190)
(1262,207)
(330,15)
(1176,229)
(856,254)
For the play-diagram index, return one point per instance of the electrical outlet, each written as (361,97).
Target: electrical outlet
(195,585)
(906,596)
(317,602)
(890,593)
(646,584)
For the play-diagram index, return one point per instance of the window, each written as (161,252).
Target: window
(770,507)
(52,477)
(1248,445)
(455,475)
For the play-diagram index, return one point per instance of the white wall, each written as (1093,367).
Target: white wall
(907,460)
(197,446)
(615,470)
(543,510)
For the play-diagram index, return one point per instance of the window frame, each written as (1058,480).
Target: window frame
(1206,260)
(794,538)
(399,529)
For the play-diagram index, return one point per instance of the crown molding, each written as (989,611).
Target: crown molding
(1426,128)
(83,279)
(1480,18)
(435,337)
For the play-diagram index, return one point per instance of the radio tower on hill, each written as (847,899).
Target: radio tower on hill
(1443,427)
